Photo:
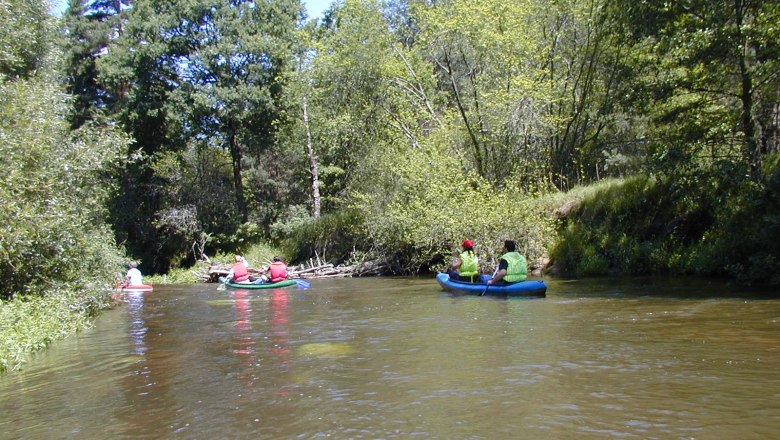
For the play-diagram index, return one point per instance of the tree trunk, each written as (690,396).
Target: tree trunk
(313,163)
(235,154)
(465,118)
(746,93)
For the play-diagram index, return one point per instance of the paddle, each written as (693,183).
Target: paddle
(302,283)
(488,285)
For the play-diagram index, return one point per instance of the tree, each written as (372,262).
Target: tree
(195,75)
(53,187)
(231,75)
(718,66)
(24,37)
(490,58)
(90,27)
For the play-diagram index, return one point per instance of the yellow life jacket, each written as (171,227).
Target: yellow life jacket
(469,265)
(517,268)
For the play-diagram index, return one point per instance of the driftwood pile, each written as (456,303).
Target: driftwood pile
(310,269)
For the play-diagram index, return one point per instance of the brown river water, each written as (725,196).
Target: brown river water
(397,358)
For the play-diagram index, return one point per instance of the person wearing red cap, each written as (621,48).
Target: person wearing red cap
(465,266)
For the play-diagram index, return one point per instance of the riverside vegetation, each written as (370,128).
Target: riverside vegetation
(606,138)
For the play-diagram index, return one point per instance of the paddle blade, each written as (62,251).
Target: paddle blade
(302,283)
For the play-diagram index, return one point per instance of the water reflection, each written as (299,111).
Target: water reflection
(245,342)
(398,358)
(246,337)
(138,329)
(148,380)
(280,334)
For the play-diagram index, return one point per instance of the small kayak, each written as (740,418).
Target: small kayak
(527,289)
(284,283)
(135,287)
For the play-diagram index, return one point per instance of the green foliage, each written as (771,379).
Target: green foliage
(296,217)
(335,237)
(256,254)
(189,79)
(490,56)
(52,192)
(631,226)
(743,242)
(24,36)
(246,235)
(429,206)
(57,254)
(716,67)
(32,323)
(718,223)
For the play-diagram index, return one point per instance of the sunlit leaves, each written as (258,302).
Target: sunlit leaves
(52,190)
(23,36)
(490,55)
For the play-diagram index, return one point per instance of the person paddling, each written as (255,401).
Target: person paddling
(134,276)
(277,271)
(239,273)
(511,268)
(465,265)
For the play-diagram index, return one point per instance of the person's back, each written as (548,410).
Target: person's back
(277,271)
(240,271)
(134,276)
(512,266)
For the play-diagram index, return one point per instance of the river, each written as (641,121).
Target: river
(397,358)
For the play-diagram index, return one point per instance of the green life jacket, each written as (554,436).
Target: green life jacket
(517,267)
(469,265)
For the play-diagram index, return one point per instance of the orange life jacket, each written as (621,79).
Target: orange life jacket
(240,272)
(277,271)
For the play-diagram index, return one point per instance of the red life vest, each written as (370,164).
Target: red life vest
(240,272)
(277,271)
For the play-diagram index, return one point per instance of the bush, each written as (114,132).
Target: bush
(52,192)
(336,238)
(714,221)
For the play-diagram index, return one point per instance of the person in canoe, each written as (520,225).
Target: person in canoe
(239,273)
(465,265)
(511,268)
(134,276)
(277,271)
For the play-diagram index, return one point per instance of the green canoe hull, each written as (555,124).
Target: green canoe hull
(248,286)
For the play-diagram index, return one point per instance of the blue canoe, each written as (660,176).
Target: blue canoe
(528,288)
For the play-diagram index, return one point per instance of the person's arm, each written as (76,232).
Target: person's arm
(502,266)
(456,262)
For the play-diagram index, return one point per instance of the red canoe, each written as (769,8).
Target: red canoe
(135,288)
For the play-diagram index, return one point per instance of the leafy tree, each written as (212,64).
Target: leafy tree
(231,71)
(24,37)
(599,107)
(54,183)
(90,27)
(195,75)
(717,76)
(489,59)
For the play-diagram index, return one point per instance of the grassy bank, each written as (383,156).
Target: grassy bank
(710,226)
(32,323)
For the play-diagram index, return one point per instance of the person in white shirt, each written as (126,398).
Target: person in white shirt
(134,276)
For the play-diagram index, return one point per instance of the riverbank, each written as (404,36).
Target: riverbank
(32,323)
